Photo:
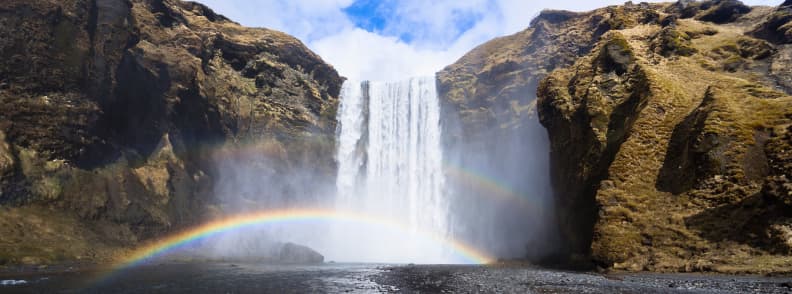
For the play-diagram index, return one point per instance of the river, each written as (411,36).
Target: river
(374,278)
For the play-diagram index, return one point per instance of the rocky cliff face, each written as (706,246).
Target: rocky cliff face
(115,113)
(490,119)
(668,125)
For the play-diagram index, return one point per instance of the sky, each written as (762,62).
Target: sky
(389,40)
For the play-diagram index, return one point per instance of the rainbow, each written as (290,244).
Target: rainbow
(490,187)
(158,248)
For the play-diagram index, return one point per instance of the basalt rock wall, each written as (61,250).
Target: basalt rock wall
(114,115)
(667,125)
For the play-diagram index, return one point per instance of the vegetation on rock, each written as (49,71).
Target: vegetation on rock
(669,130)
(113,115)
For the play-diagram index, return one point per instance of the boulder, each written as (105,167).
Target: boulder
(291,253)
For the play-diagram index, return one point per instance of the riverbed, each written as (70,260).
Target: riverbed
(373,278)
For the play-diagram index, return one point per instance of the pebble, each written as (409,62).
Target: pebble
(463,279)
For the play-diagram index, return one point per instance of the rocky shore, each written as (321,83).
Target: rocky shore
(528,279)
(669,129)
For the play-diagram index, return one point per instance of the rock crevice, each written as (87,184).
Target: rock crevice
(114,115)
(665,125)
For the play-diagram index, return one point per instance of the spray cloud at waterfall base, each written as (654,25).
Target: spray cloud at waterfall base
(393,165)
(395,161)
(390,164)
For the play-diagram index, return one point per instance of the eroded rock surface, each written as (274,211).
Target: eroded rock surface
(668,127)
(115,113)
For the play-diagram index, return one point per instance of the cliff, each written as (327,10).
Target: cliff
(115,115)
(669,128)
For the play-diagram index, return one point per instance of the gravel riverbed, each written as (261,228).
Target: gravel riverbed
(208,277)
(523,279)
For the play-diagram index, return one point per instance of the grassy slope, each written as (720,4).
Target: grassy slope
(641,227)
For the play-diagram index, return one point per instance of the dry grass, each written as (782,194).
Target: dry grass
(41,235)
(637,220)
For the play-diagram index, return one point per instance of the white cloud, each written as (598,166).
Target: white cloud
(304,19)
(434,25)
(361,55)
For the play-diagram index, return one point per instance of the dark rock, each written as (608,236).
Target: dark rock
(609,123)
(692,156)
(716,11)
(669,21)
(118,110)
(554,16)
(489,95)
(293,253)
(777,28)
(687,8)
(644,180)
(724,11)
(616,55)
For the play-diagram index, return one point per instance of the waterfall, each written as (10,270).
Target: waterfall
(390,165)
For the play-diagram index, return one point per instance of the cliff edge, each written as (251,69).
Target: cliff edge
(669,129)
(115,115)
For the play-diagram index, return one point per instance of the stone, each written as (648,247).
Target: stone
(291,253)
(652,156)
(109,108)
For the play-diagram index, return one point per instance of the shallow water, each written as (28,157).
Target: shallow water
(208,278)
(376,278)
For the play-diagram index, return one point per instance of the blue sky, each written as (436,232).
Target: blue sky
(373,16)
(395,39)
(367,14)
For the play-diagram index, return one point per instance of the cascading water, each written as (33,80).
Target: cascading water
(390,165)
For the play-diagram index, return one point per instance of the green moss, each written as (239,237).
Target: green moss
(733,63)
(762,92)
(704,32)
(617,242)
(27,160)
(754,49)
(329,111)
(620,213)
(620,18)
(618,41)
(727,49)
(48,188)
(615,54)
(670,41)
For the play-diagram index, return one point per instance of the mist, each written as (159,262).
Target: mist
(494,187)
(500,181)
(413,186)
(258,176)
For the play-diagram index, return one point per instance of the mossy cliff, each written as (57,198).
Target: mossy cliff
(115,113)
(669,128)
(488,100)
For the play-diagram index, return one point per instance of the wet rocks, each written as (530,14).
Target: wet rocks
(512,279)
(297,254)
